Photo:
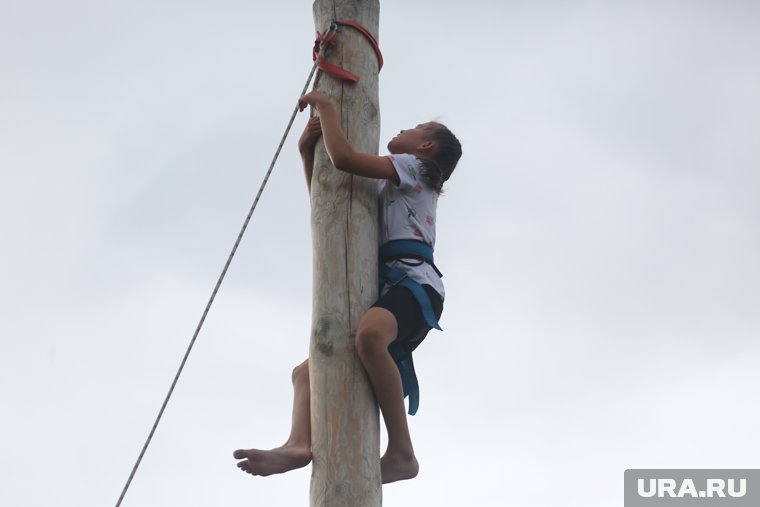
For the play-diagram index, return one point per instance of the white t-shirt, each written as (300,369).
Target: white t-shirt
(407,211)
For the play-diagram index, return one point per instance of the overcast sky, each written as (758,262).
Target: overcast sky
(599,242)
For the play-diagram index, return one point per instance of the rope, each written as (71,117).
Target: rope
(332,29)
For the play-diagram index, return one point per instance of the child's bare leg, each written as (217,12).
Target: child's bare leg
(296,451)
(377,329)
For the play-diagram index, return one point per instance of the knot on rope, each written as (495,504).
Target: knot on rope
(328,39)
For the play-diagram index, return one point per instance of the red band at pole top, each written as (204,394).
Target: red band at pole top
(329,39)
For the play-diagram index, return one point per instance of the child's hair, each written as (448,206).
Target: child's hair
(438,168)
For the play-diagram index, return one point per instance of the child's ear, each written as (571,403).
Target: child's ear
(427,146)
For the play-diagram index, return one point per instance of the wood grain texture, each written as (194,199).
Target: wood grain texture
(344,414)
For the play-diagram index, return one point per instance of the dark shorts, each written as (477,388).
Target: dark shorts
(412,327)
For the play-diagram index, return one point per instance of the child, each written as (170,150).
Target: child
(411,299)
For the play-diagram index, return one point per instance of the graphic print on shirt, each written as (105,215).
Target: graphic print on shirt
(408,211)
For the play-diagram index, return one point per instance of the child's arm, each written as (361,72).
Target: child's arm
(342,155)
(306,145)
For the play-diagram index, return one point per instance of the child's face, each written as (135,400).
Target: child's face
(411,140)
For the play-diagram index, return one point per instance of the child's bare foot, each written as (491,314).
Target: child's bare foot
(395,467)
(275,461)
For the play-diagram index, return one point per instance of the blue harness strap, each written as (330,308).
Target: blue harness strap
(409,249)
(418,250)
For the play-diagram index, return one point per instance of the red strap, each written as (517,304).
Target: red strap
(334,70)
(337,72)
(369,37)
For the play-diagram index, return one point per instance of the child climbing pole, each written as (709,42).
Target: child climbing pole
(411,299)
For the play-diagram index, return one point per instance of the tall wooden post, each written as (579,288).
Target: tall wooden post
(344,415)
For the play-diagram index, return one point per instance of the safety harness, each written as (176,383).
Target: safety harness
(404,249)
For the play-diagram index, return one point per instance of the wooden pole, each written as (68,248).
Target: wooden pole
(344,415)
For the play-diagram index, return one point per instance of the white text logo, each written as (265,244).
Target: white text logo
(716,488)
